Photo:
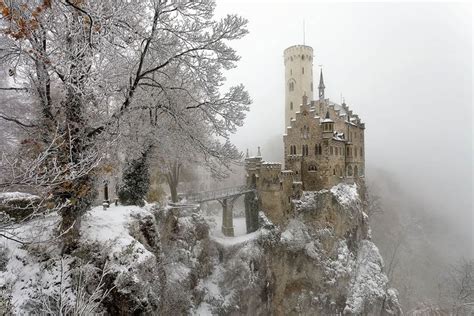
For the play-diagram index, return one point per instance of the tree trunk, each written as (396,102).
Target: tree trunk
(174,192)
(173,180)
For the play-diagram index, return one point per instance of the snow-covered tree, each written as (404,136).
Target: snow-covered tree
(91,64)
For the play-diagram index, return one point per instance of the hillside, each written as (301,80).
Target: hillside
(171,260)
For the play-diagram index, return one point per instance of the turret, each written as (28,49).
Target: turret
(328,126)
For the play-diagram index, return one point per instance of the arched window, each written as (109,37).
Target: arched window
(293,150)
(302,70)
(305,132)
(291,105)
(312,168)
(347,151)
(331,150)
(349,171)
(291,86)
(302,57)
(361,153)
(305,150)
(334,172)
(355,151)
(356,172)
(320,149)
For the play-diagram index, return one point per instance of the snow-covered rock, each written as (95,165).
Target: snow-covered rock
(173,261)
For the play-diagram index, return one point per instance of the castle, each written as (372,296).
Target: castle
(323,141)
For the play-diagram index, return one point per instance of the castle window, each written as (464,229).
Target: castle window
(293,150)
(347,151)
(320,149)
(331,150)
(356,172)
(312,168)
(302,70)
(291,86)
(333,172)
(305,132)
(349,171)
(291,105)
(355,151)
(302,57)
(305,150)
(361,155)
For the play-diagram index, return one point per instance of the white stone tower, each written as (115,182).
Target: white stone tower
(298,78)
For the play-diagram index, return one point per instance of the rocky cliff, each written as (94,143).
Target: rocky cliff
(321,261)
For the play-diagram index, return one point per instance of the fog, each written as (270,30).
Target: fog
(406,69)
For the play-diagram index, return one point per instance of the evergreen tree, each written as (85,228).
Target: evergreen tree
(135,181)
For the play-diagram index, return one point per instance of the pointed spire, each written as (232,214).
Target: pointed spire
(247,155)
(258,153)
(321,85)
(327,114)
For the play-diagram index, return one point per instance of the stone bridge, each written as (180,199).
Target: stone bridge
(226,197)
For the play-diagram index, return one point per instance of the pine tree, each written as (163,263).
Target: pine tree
(135,181)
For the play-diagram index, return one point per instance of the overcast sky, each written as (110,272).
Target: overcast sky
(405,68)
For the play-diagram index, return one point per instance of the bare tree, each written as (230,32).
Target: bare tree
(457,290)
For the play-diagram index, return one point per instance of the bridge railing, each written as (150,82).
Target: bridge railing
(217,194)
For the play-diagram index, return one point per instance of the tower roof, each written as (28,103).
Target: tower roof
(321,80)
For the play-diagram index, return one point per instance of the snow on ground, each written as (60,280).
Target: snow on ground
(24,272)
(110,227)
(240,231)
(35,270)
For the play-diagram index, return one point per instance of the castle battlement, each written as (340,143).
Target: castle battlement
(271,165)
